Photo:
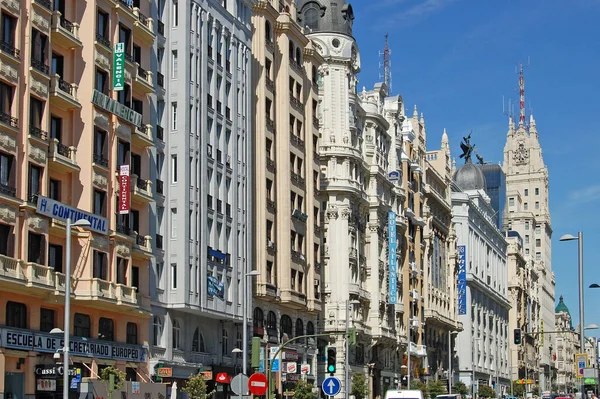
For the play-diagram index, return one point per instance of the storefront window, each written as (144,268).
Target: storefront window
(130,374)
(132,333)
(82,325)
(106,329)
(16,314)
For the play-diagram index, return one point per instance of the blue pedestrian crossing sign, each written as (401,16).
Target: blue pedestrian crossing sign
(331,386)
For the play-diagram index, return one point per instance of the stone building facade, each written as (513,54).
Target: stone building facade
(567,346)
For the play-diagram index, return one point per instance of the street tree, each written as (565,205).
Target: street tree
(304,390)
(360,388)
(196,387)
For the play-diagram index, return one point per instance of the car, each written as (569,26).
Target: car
(404,394)
(449,396)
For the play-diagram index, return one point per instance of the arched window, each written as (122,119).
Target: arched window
(198,341)
(132,333)
(106,329)
(286,326)
(310,328)
(225,344)
(176,339)
(291,50)
(82,325)
(268,32)
(311,17)
(272,321)
(258,318)
(299,327)
(16,314)
(157,331)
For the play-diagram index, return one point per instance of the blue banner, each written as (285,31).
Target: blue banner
(215,287)
(462,280)
(392,257)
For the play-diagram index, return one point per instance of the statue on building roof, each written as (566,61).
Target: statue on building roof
(467,148)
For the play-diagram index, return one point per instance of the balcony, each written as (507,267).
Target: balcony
(141,190)
(100,39)
(270,124)
(270,85)
(45,5)
(64,32)
(298,180)
(143,81)
(30,275)
(352,253)
(298,258)
(296,67)
(143,246)
(142,136)
(299,215)
(127,7)
(100,160)
(63,94)
(315,122)
(297,142)
(271,207)
(62,158)
(143,27)
(296,104)
(38,134)
(40,67)
(13,54)
(95,289)
(271,165)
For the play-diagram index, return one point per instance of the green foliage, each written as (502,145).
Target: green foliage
(304,390)
(119,377)
(360,387)
(460,387)
(535,390)
(196,387)
(518,390)
(418,385)
(435,388)
(486,391)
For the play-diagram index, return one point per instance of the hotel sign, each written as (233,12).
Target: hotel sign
(462,280)
(119,67)
(58,210)
(28,340)
(116,108)
(393,261)
(124,193)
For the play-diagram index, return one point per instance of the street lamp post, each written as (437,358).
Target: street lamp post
(579,238)
(473,367)
(245,319)
(347,357)
(450,376)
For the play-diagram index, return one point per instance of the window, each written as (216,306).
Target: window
(9,26)
(538,243)
(299,327)
(106,329)
(102,22)
(175,13)
(138,106)
(310,328)
(7,240)
(537,191)
(258,321)
(124,96)
(174,63)
(137,54)
(225,343)
(537,205)
(16,314)
(173,116)
(55,257)
(526,239)
(526,192)
(39,50)
(130,374)
(132,333)
(6,98)
(55,128)
(36,113)
(286,326)
(102,81)
(174,276)
(537,229)
(123,149)
(36,248)
(100,203)
(526,251)
(34,182)
(125,37)
(525,206)
(135,277)
(174,168)
(46,319)
(6,177)
(176,334)
(526,225)
(57,65)
(100,265)
(511,201)
(122,264)
(538,256)
(173,222)
(82,325)
(271,322)
(100,147)
(157,331)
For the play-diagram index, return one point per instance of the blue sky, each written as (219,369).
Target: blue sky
(455,59)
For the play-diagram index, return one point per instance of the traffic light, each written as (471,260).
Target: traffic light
(517,336)
(331,360)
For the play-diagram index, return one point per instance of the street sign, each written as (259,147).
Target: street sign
(581,360)
(119,67)
(257,384)
(239,384)
(331,386)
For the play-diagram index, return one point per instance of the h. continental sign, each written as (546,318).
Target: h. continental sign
(116,108)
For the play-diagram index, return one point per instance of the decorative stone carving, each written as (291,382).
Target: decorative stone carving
(9,73)
(41,22)
(101,120)
(100,180)
(100,242)
(102,60)
(8,214)
(346,214)
(123,130)
(332,213)
(37,154)
(40,88)
(38,224)
(7,142)
(123,250)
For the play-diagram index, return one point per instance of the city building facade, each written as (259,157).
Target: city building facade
(288,213)
(204,165)
(495,181)
(483,309)
(523,287)
(66,132)
(567,346)
(527,212)
(441,271)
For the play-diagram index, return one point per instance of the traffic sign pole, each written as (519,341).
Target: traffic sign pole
(331,386)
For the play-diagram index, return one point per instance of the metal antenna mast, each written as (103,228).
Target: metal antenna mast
(522,119)
(387,66)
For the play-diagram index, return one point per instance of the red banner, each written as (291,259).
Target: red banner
(124,193)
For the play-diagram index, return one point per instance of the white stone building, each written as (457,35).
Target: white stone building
(482,346)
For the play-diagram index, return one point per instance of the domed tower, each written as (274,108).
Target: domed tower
(469,177)
(326,16)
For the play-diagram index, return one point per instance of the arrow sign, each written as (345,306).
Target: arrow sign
(331,386)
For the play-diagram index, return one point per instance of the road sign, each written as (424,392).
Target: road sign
(331,386)
(239,384)
(257,384)
(119,67)
(581,360)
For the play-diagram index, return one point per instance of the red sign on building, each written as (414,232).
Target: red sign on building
(124,193)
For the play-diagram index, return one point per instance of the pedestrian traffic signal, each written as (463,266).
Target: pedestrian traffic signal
(331,360)
(517,336)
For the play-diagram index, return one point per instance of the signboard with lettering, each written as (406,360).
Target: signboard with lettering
(116,108)
(462,280)
(124,194)
(119,67)
(58,210)
(164,372)
(393,275)
(28,340)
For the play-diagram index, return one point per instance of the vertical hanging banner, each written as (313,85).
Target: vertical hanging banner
(119,67)
(392,257)
(462,280)
(124,193)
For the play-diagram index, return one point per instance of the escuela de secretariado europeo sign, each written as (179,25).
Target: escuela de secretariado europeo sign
(78,346)
(58,210)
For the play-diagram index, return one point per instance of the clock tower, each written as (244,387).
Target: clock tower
(527,212)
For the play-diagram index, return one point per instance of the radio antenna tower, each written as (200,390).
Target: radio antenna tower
(522,119)
(387,66)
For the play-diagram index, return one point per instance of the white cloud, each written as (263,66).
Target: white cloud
(588,194)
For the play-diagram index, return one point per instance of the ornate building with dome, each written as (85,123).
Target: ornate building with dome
(483,306)
(567,346)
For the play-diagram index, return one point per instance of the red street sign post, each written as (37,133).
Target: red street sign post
(257,384)
(124,190)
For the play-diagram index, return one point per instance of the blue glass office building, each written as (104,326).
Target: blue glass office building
(496,189)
